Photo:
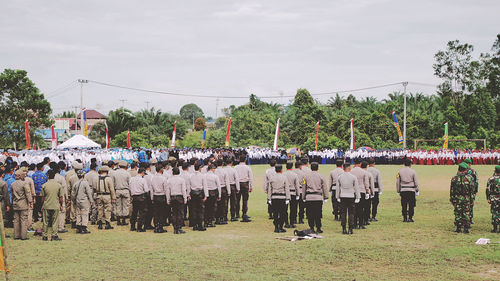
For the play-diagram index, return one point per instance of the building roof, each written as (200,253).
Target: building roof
(93,114)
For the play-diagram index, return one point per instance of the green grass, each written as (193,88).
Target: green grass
(386,250)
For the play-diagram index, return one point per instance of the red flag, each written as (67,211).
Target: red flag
(172,145)
(128,140)
(53,141)
(316,141)
(353,145)
(57,139)
(107,135)
(27,133)
(228,133)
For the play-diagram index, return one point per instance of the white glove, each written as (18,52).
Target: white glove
(367,196)
(297,197)
(418,193)
(356,201)
(269,202)
(331,193)
(287,202)
(338,200)
(326,200)
(380,193)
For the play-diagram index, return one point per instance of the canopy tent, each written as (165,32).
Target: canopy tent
(79,141)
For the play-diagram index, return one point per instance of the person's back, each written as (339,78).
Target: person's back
(52,194)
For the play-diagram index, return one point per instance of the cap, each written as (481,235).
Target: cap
(123,164)
(78,166)
(463,166)
(104,169)
(116,161)
(111,163)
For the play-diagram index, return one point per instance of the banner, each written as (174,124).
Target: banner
(316,140)
(445,137)
(172,145)
(276,135)
(53,140)
(107,135)
(396,124)
(129,145)
(85,127)
(27,134)
(228,132)
(352,146)
(203,138)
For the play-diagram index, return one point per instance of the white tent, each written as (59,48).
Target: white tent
(79,141)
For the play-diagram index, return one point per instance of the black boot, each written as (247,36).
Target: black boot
(281,229)
(55,238)
(319,230)
(466,229)
(494,230)
(405,219)
(118,221)
(276,229)
(78,229)
(108,225)
(73,225)
(301,221)
(234,219)
(217,221)
(99,223)
(132,227)
(350,231)
(458,230)
(85,230)
(180,231)
(344,230)
(201,227)
(141,228)
(411,219)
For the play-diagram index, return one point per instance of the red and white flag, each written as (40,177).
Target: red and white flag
(107,135)
(129,145)
(172,145)
(352,146)
(53,140)
(27,133)
(228,132)
(276,135)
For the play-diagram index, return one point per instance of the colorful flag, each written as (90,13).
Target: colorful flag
(228,132)
(107,135)
(276,135)
(316,140)
(57,139)
(2,259)
(172,145)
(203,138)
(85,128)
(445,137)
(53,140)
(352,146)
(27,133)
(396,124)
(129,145)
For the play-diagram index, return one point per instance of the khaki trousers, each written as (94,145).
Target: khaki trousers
(62,217)
(50,219)
(104,208)
(20,224)
(82,215)
(122,204)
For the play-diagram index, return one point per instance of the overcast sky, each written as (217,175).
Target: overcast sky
(232,48)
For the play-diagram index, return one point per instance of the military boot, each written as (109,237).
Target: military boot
(344,230)
(141,228)
(458,230)
(132,227)
(85,230)
(494,230)
(55,238)
(350,231)
(124,222)
(78,229)
(466,230)
(276,229)
(201,227)
(108,225)
(73,225)
(99,223)
(118,221)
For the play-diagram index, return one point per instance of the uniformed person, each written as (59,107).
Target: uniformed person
(246,186)
(105,198)
(377,181)
(348,194)
(220,171)
(407,187)
(473,174)
(139,190)
(177,198)
(364,187)
(92,177)
(278,196)
(234,184)
(214,195)
(22,201)
(4,198)
(293,180)
(31,184)
(334,175)
(121,179)
(300,174)
(267,177)
(62,213)
(53,197)
(159,198)
(199,193)
(369,193)
(461,191)
(83,200)
(314,194)
(71,178)
(493,197)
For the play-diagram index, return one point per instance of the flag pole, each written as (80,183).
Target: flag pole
(3,248)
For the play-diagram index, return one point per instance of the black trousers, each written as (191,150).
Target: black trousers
(211,205)
(139,209)
(149,212)
(347,211)
(302,207)
(244,190)
(279,212)
(37,208)
(293,209)
(222,204)
(235,201)
(408,203)
(359,211)
(177,203)
(314,210)
(367,210)
(197,209)
(159,210)
(375,201)
(335,204)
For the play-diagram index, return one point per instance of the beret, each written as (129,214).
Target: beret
(464,166)
(468,161)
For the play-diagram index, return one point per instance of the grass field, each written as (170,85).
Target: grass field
(386,250)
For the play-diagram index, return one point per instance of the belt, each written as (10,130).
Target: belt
(142,194)
(279,194)
(408,187)
(318,193)
(293,190)
(103,193)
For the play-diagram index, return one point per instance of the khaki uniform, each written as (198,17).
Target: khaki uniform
(377,189)
(92,177)
(347,191)
(51,192)
(407,186)
(69,175)
(83,198)
(234,183)
(334,175)
(197,191)
(214,193)
(222,205)
(62,213)
(293,179)
(21,199)
(315,191)
(30,213)
(246,183)
(4,200)
(121,180)
(364,188)
(105,194)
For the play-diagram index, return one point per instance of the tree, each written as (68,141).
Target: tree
(20,100)
(200,124)
(120,120)
(66,114)
(190,112)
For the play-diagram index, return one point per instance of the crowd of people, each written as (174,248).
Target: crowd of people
(154,189)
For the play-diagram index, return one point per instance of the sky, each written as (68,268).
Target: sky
(232,48)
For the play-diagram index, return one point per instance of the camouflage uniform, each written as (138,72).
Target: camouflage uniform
(493,197)
(471,172)
(461,192)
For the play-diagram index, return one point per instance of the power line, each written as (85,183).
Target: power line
(61,90)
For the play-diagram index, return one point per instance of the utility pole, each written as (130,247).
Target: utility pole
(123,103)
(216,108)
(193,121)
(404,118)
(147,105)
(76,117)
(81,81)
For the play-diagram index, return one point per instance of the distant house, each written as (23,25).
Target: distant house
(75,126)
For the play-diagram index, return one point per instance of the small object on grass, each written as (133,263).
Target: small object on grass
(483,241)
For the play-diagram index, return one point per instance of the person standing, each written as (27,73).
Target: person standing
(225,189)
(214,195)
(293,180)
(314,193)
(473,174)
(300,174)
(199,193)
(407,188)
(71,178)
(347,194)
(4,198)
(177,198)
(83,200)
(377,181)
(105,197)
(234,183)
(52,194)
(334,175)
(39,178)
(461,192)
(369,194)
(92,177)
(31,184)
(267,177)
(159,198)
(121,179)
(364,186)
(62,213)
(278,197)
(246,186)
(139,190)
(493,197)
(22,201)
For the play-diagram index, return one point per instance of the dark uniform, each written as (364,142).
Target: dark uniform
(177,198)
(493,197)
(461,191)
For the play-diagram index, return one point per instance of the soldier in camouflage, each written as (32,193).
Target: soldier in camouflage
(461,192)
(493,197)
(473,174)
